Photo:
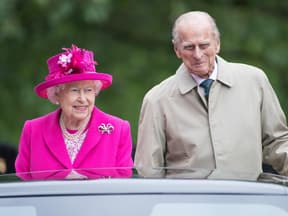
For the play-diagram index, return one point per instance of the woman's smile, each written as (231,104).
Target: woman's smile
(81,108)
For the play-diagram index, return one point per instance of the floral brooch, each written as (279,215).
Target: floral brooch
(108,128)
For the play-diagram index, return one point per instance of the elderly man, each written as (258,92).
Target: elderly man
(212,118)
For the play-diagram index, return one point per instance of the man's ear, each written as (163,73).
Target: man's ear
(218,47)
(176,49)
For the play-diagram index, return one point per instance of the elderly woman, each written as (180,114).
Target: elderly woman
(77,140)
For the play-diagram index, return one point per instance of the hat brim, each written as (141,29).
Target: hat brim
(41,88)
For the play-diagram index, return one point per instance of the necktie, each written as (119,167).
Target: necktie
(206,84)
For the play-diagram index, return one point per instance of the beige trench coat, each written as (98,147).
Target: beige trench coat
(242,126)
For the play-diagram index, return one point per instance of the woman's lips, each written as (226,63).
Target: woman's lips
(80,108)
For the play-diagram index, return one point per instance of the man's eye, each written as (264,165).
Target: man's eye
(204,46)
(189,47)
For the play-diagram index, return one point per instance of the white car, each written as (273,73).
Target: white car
(143,196)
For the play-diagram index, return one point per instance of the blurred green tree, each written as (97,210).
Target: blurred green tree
(132,41)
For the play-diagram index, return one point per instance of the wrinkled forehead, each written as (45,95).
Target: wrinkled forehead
(191,32)
(202,34)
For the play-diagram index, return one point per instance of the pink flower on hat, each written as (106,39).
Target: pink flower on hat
(75,60)
(64,60)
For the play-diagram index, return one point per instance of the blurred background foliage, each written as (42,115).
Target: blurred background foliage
(131,40)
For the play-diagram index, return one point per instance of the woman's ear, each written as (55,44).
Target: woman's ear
(57,97)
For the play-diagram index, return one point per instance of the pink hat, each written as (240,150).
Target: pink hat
(73,65)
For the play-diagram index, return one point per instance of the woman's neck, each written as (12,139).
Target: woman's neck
(74,124)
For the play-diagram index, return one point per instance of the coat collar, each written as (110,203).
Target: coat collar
(186,83)
(225,75)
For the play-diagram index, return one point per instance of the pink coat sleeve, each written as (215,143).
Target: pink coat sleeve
(124,157)
(22,163)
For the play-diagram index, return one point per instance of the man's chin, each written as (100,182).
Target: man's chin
(202,74)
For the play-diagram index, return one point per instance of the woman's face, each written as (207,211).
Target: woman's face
(77,100)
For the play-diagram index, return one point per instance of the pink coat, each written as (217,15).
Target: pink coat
(42,148)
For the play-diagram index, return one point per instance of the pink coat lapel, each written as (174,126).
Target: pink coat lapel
(54,139)
(93,137)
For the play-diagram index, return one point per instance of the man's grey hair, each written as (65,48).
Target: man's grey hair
(190,15)
(54,90)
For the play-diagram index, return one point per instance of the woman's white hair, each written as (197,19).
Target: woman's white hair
(54,90)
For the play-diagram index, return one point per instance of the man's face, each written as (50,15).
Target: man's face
(197,47)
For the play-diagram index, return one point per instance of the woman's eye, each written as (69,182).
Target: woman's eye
(74,90)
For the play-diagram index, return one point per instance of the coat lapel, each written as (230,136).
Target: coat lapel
(93,137)
(185,81)
(54,139)
(224,74)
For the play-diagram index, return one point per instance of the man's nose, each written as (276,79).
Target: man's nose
(197,52)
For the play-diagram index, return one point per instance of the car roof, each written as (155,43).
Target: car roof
(139,186)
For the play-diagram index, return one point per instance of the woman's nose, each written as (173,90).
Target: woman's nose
(81,94)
